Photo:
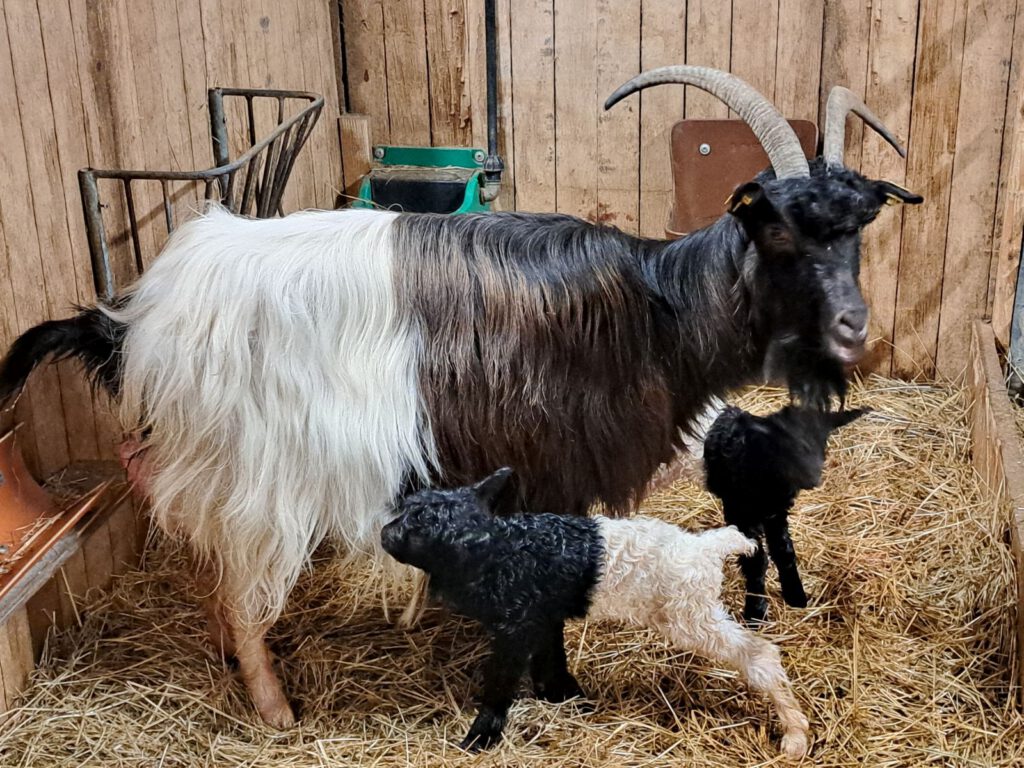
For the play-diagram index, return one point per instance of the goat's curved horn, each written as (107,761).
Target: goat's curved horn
(772,130)
(842,101)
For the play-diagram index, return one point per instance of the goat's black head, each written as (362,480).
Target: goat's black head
(437,529)
(804,278)
(804,223)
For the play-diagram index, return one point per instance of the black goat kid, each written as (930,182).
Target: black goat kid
(521,578)
(757,465)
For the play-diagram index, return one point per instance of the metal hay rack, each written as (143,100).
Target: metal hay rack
(251,185)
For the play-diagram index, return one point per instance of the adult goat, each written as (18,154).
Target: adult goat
(293,376)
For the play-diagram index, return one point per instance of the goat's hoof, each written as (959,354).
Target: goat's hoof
(794,746)
(795,599)
(484,733)
(755,612)
(282,718)
(557,691)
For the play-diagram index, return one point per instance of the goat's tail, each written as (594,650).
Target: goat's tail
(91,336)
(728,541)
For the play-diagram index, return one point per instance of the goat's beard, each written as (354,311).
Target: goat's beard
(811,374)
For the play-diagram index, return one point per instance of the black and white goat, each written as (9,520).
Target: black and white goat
(757,465)
(292,376)
(522,576)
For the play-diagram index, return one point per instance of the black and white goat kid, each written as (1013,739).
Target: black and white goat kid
(522,576)
(292,376)
(757,465)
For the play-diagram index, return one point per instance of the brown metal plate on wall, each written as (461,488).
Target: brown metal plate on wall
(710,158)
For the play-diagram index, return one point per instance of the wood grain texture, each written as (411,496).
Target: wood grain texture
(1009,223)
(450,111)
(662,43)
(576,100)
(368,80)
(618,129)
(532,32)
(755,31)
(996,452)
(941,27)
(16,660)
(408,85)
(844,62)
(972,196)
(708,44)
(889,83)
(798,58)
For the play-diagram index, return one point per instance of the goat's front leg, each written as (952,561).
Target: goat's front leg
(502,673)
(552,680)
(780,547)
(755,607)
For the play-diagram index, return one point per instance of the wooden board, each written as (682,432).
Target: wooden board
(708,44)
(972,196)
(16,660)
(798,58)
(929,172)
(532,31)
(356,150)
(1009,222)
(662,43)
(893,37)
(996,452)
(408,88)
(450,118)
(368,79)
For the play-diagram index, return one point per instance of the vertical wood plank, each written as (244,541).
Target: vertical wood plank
(405,54)
(16,661)
(708,44)
(97,553)
(988,43)
(327,159)
(1009,223)
(368,82)
(576,99)
(354,135)
(844,62)
(940,46)
(798,58)
(24,247)
(618,129)
(893,40)
(755,30)
(72,584)
(446,68)
(662,43)
(43,610)
(532,29)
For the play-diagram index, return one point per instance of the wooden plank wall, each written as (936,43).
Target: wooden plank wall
(122,84)
(415,67)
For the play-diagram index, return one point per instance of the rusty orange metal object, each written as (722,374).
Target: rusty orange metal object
(30,521)
(710,158)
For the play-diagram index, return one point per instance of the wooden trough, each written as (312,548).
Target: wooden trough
(997,452)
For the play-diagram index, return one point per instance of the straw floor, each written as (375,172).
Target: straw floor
(903,658)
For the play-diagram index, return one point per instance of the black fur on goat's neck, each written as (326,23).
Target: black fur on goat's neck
(576,353)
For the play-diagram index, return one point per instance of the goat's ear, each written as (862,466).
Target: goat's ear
(491,491)
(839,419)
(892,194)
(762,221)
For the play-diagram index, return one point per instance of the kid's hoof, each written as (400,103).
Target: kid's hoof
(561,690)
(755,611)
(484,733)
(281,718)
(794,746)
(795,599)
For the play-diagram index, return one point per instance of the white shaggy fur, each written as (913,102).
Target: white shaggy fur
(659,576)
(279,378)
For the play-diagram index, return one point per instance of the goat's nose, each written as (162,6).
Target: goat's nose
(851,326)
(390,537)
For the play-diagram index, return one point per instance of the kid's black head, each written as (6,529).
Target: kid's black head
(793,441)
(805,277)
(436,528)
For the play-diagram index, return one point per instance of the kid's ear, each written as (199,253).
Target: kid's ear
(491,491)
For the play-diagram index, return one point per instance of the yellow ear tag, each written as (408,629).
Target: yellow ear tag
(891,199)
(745,200)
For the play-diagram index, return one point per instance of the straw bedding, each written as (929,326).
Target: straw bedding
(903,658)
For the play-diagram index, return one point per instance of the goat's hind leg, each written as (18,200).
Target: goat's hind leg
(760,663)
(780,547)
(755,606)
(549,669)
